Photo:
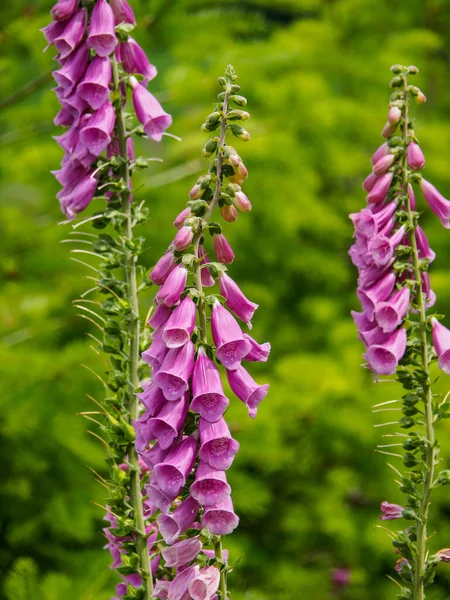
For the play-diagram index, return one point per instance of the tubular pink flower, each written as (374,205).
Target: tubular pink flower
(380,189)
(152,398)
(207,279)
(52,31)
(181,218)
(436,201)
(178,588)
(370,181)
(163,268)
(156,352)
(246,389)
(94,87)
(173,525)
(210,485)
(154,455)
(384,164)
(173,377)
(73,69)
(159,317)
(170,475)
(64,9)
(134,60)
(423,246)
(161,589)
(208,398)
(167,424)
(222,249)
(359,253)
(123,13)
(79,197)
(96,135)
(368,223)
(370,275)
(231,345)
(441,341)
(235,299)
(374,336)
(217,447)
(183,238)
(391,313)
(69,139)
(389,511)
(70,174)
(379,292)
(179,327)
(181,553)
(220,519)
(383,358)
(379,153)
(258,352)
(382,248)
(363,324)
(72,35)
(150,113)
(102,36)
(205,585)
(170,292)
(415,157)
(430,296)
(158,498)
(412,198)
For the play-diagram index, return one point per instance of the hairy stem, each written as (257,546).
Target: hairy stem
(421,522)
(133,333)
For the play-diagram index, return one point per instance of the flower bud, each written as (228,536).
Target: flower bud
(242,202)
(415,157)
(383,164)
(183,238)
(421,98)
(239,100)
(229,213)
(210,148)
(196,192)
(180,219)
(394,115)
(239,132)
(388,129)
(396,69)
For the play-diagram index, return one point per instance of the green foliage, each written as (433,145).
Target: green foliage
(307,481)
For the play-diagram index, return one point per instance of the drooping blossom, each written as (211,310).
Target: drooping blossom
(390,512)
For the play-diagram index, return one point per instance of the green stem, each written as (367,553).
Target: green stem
(421,523)
(133,333)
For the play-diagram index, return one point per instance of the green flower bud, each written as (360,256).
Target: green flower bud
(396,69)
(239,100)
(210,147)
(396,82)
(240,132)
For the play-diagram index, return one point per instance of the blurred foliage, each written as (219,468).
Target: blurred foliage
(307,482)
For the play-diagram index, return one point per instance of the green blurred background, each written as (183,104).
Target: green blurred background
(307,482)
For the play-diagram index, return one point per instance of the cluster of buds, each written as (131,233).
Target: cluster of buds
(94,49)
(182,435)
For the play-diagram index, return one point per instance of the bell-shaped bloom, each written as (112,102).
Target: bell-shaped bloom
(179,327)
(96,135)
(78,107)
(94,87)
(183,238)
(156,352)
(246,389)
(173,377)
(363,325)
(169,421)
(382,248)
(241,202)
(379,292)
(154,455)
(415,157)
(222,249)
(380,189)
(163,268)
(72,35)
(391,313)
(179,587)
(370,181)
(384,164)
(79,197)
(368,223)
(123,13)
(208,398)
(368,276)
(150,112)
(73,68)
(207,279)
(52,31)
(70,174)
(143,436)
(65,116)
(102,36)
(380,152)
(158,498)
(217,447)
(151,397)
(423,246)
(436,201)
(210,485)
(430,296)
(383,358)
(205,585)
(220,519)
(64,9)
(161,589)
(359,253)
(258,352)
(135,61)
(181,553)
(173,525)
(441,341)
(171,474)
(235,299)
(159,317)
(181,218)
(231,345)
(69,139)
(171,290)
(374,337)
(389,511)
(444,555)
